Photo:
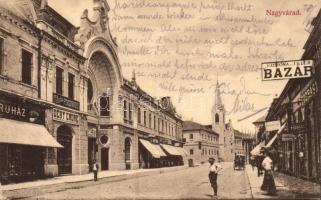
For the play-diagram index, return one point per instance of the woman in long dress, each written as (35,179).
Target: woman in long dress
(268,180)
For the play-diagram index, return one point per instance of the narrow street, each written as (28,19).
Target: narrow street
(191,183)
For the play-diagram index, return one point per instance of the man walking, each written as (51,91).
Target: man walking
(214,169)
(95,170)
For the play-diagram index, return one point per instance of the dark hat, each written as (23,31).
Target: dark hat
(211,160)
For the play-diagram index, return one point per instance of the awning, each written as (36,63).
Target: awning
(256,150)
(17,132)
(182,151)
(276,135)
(154,149)
(171,150)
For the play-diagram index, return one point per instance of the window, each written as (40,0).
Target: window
(150,120)
(125,109)
(145,118)
(90,91)
(59,80)
(139,116)
(191,136)
(154,122)
(130,111)
(104,105)
(1,55)
(26,67)
(217,118)
(71,85)
(159,124)
(191,151)
(165,127)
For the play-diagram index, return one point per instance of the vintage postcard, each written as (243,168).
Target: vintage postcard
(160,99)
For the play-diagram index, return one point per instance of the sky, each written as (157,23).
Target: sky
(182,49)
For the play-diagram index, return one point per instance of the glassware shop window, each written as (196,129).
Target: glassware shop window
(26,67)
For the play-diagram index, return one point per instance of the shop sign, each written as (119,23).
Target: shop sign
(308,92)
(64,101)
(64,116)
(287,69)
(272,125)
(21,112)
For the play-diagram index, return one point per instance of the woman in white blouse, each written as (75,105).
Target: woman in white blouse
(268,180)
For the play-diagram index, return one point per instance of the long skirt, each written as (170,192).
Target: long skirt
(213,179)
(268,182)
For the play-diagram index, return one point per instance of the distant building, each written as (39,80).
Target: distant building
(201,142)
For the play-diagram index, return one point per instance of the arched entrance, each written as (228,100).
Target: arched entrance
(64,155)
(128,153)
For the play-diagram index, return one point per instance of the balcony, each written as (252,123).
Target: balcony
(64,101)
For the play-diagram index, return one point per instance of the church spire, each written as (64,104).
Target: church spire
(217,100)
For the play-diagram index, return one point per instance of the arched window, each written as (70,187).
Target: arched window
(300,118)
(104,105)
(217,118)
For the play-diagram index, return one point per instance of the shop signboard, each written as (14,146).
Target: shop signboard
(308,92)
(287,69)
(272,125)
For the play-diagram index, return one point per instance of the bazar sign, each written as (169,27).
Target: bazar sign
(287,69)
(272,125)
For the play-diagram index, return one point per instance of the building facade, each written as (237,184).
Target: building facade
(298,109)
(201,142)
(67,82)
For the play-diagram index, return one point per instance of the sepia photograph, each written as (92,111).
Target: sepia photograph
(160,99)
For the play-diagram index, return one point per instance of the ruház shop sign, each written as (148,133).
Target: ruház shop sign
(287,69)
(21,112)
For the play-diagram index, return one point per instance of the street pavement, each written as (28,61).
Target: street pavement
(166,183)
(190,183)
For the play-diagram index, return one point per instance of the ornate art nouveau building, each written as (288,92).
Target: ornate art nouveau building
(64,101)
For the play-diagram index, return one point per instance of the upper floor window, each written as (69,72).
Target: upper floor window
(26,67)
(139,116)
(90,91)
(145,122)
(130,111)
(191,136)
(217,118)
(150,120)
(104,105)
(1,55)
(71,86)
(191,151)
(59,80)
(154,122)
(125,109)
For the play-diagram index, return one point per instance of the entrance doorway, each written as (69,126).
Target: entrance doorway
(104,157)
(64,155)
(92,150)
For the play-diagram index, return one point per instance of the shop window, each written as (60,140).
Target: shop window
(59,80)
(139,116)
(71,85)
(26,67)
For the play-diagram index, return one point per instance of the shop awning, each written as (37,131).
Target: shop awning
(276,135)
(17,132)
(182,151)
(171,150)
(154,149)
(256,150)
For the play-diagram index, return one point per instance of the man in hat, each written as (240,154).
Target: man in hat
(214,169)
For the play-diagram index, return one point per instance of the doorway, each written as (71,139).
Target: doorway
(104,157)
(64,155)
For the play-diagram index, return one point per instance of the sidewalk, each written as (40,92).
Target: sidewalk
(288,187)
(85,177)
